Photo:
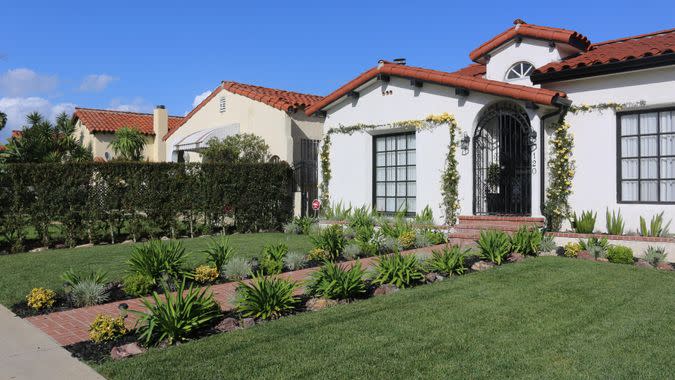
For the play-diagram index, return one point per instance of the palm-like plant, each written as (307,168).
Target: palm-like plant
(336,281)
(494,246)
(220,252)
(128,144)
(448,261)
(266,297)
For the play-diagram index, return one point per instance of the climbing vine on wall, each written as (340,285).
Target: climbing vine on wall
(614,106)
(561,173)
(450,177)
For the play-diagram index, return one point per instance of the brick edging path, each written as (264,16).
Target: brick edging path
(72,326)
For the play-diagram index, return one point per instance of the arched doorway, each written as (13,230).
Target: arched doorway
(502,147)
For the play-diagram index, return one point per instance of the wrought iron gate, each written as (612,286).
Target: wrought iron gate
(502,147)
(306,174)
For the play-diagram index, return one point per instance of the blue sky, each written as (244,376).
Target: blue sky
(132,55)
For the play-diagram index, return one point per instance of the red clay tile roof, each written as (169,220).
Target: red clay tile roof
(456,79)
(2,148)
(97,120)
(475,70)
(533,31)
(16,134)
(279,99)
(624,49)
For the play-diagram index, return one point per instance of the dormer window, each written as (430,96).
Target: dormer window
(519,71)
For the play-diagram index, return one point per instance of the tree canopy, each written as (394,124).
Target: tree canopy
(42,141)
(240,148)
(128,144)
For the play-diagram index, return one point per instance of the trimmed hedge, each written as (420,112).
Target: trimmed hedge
(91,201)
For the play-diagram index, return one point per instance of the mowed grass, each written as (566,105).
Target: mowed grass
(19,273)
(544,318)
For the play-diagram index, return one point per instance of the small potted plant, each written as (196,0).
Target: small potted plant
(493,180)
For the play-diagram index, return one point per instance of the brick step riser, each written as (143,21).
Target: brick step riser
(497,223)
(491,227)
(514,219)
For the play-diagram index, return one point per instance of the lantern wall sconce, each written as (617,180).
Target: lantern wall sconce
(464,143)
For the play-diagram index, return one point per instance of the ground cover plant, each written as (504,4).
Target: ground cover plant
(574,319)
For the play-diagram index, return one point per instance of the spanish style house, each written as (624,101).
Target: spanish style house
(618,97)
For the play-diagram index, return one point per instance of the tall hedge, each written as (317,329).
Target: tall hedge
(87,200)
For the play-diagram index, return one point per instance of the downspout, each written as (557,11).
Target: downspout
(562,104)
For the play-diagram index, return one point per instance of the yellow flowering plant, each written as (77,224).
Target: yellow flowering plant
(106,328)
(41,298)
(561,174)
(205,274)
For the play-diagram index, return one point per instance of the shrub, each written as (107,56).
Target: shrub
(547,244)
(331,240)
(494,246)
(238,269)
(422,240)
(178,316)
(352,251)
(106,328)
(219,252)
(292,228)
(295,260)
(157,258)
(138,284)
(614,221)
(448,261)
(88,293)
(599,245)
(527,241)
(655,255)
(390,244)
(205,274)
(71,279)
(435,237)
(398,270)
(620,254)
(395,228)
(656,226)
(585,224)
(336,281)
(425,217)
(407,239)
(41,298)
(266,297)
(572,249)
(337,212)
(299,226)
(272,261)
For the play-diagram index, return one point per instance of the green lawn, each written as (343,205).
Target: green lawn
(19,273)
(544,318)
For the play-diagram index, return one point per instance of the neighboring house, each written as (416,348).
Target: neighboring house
(520,83)
(275,115)
(96,128)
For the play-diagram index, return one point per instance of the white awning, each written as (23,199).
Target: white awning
(200,139)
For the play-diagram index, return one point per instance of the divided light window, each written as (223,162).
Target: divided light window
(647,157)
(395,172)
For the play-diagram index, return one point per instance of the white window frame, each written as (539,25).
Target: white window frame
(522,74)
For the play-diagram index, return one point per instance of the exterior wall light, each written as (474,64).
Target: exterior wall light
(464,143)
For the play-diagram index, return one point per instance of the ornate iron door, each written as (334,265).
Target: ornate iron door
(502,147)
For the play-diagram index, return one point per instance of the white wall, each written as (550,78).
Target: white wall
(536,52)
(351,156)
(595,150)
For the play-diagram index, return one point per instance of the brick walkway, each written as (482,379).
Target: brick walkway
(72,326)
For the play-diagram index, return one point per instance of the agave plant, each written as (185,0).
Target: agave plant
(585,224)
(448,261)
(158,259)
(266,297)
(614,222)
(336,281)
(655,255)
(398,270)
(295,260)
(425,217)
(656,226)
(219,252)
(494,246)
(178,316)
(71,278)
(88,292)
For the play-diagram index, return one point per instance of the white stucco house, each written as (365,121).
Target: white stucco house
(519,84)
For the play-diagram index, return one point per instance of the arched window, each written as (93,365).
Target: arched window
(519,70)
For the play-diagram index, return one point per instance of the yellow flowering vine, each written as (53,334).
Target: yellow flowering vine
(561,174)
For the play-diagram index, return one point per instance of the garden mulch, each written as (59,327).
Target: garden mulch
(72,326)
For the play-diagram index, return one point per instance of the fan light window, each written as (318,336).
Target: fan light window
(519,71)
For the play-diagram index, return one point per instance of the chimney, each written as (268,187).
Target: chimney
(160,125)
(400,61)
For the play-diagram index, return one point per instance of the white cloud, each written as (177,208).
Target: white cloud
(17,108)
(96,82)
(22,81)
(137,104)
(198,99)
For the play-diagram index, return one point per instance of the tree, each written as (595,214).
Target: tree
(128,144)
(240,148)
(42,141)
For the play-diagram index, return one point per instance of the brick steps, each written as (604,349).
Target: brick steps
(467,231)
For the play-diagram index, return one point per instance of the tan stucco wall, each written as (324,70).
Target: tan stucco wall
(100,142)
(277,127)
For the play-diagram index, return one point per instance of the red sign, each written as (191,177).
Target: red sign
(316,205)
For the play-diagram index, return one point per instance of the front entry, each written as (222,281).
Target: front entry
(502,147)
